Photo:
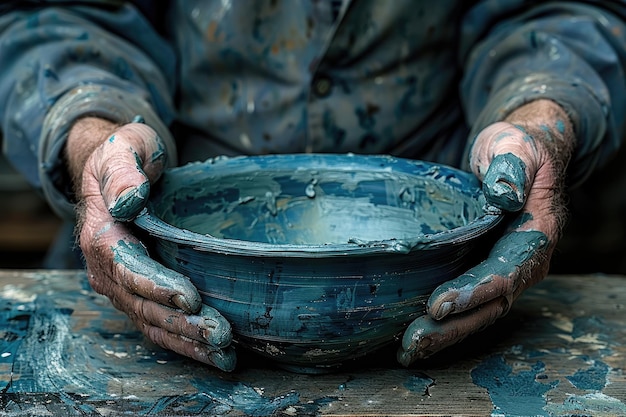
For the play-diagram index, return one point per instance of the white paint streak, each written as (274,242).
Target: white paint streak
(16,293)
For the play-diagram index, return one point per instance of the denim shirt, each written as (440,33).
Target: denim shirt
(411,78)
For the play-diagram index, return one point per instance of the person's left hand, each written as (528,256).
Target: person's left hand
(521,163)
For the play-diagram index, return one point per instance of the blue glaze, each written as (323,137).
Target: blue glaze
(159,154)
(419,383)
(502,136)
(39,342)
(42,348)
(523,129)
(593,378)
(316,259)
(505,181)
(242,397)
(594,404)
(228,205)
(587,325)
(514,249)
(134,257)
(513,394)
(131,203)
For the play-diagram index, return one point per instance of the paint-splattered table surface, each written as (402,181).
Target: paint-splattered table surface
(64,350)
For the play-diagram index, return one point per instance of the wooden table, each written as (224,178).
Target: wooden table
(65,351)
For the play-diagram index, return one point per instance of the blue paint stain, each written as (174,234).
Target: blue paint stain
(49,73)
(595,404)
(54,367)
(221,397)
(520,220)
(547,131)
(520,127)
(593,378)
(14,329)
(513,394)
(130,204)
(122,68)
(502,136)
(331,129)
(158,155)
(366,117)
(516,247)
(40,344)
(560,126)
(406,103)
(587,325)
(112,139)
(420,383)
(505,181)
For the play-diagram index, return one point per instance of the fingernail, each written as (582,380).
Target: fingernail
(444,309)
(181,302)
(504,182)
(226,360)
(416,351)
(216,330)
(217,336)
(128,205)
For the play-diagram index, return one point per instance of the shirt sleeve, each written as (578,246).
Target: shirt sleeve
(61,63)
(573,53)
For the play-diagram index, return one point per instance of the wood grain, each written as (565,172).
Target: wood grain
(561,350)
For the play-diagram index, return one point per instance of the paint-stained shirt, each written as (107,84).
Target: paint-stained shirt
(410,78)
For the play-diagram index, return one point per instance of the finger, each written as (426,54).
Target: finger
(224,359)
(505,272)
(208,326)
(134,270)
(125,165)
(425,336)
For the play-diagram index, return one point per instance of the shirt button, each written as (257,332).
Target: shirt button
(322,86)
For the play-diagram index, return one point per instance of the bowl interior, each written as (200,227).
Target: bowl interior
(317,200)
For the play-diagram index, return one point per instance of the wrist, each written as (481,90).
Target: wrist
(550,127)
(552,133)
(85,135)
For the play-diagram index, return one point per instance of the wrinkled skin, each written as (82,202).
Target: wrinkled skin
(115,184)
(521,162)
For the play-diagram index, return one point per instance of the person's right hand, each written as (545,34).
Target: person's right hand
(113,168)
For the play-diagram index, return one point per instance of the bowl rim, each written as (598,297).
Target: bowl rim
(158,228)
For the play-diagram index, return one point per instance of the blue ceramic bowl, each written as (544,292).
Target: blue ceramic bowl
(317,259)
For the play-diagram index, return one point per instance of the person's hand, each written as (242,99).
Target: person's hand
(521,163)
(113,168)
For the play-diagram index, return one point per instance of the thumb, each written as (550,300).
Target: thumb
(504,158)
(125,165)
(504,184)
